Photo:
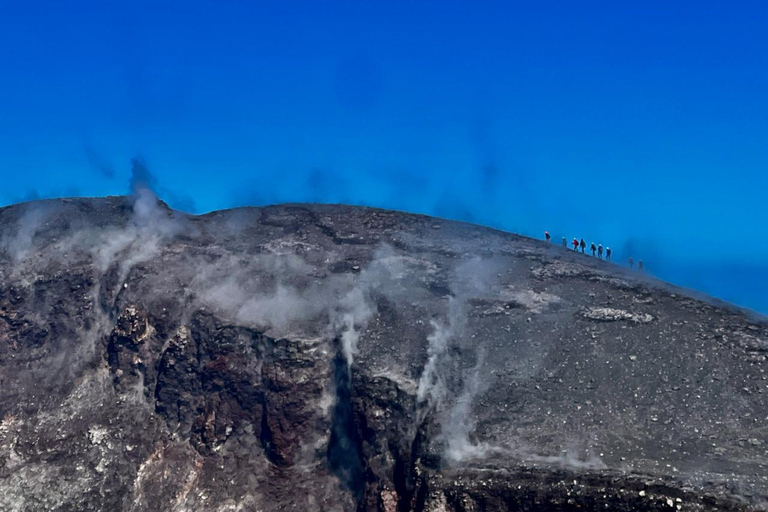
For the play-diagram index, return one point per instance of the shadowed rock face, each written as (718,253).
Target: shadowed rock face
(306,357)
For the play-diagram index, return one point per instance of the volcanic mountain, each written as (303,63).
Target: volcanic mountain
(337,358)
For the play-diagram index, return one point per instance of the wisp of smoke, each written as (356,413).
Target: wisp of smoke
(150,225)
(141,177)
(98,163)
(429,387)
(459,425)
(383,276)
(472,278)
(348,302)
(355,309)
(104,245)
(19,243)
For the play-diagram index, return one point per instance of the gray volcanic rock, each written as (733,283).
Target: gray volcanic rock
(333,358)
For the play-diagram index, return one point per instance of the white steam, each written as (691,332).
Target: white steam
(264,293)
(431,387)
(73,241)
(19,243)
(149,226)
(383,276)
(473,278)
(355,309)
(460,423)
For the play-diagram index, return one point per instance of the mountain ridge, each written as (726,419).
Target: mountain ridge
(328,357)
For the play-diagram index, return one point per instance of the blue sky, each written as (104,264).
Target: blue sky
(641,125)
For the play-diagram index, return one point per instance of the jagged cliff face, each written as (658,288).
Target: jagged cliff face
(337,358)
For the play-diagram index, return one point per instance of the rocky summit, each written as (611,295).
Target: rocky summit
(337,358)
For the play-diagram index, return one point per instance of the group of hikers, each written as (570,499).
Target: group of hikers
(596,250)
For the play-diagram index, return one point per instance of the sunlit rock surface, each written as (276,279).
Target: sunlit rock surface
(335,358)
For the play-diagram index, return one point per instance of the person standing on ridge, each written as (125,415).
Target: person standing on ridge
(600,251)
(593,248)
(631,262)
(547,236)
(565,243)
(607,254)
(575,244)
(583,245)
(640,265)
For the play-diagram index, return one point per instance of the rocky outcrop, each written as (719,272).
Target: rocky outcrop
(333,358)
(613,315)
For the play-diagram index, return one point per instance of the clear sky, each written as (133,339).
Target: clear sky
(639,125)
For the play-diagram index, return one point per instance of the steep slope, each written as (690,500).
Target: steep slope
(307,357)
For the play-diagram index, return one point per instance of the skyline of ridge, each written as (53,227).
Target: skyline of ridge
(639,127)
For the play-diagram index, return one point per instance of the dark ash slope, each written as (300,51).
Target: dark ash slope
(305,357)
